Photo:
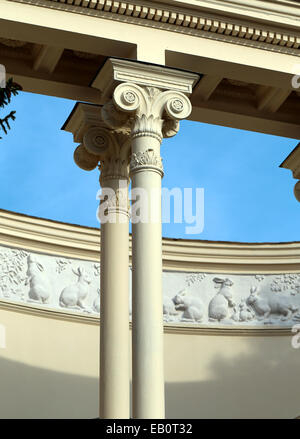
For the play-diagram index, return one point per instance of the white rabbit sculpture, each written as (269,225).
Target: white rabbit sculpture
(39,287)
(73,295)
(220,303)
(274,304)
(169,309)
(191,306)
(235,314)
(246,314)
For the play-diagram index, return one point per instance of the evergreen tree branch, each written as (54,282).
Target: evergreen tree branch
(11,89)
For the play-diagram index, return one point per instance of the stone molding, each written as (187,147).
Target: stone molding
(116,71)
(245,31)
(168,328)
(83,243)
(49,237)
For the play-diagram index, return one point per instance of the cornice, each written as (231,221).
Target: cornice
(272,11)
(263,29)
(78,242)
(50,237)
(230,257)
(34,310)
(116,71)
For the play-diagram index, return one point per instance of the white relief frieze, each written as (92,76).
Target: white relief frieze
(231,299)
(48,281)
(193,298)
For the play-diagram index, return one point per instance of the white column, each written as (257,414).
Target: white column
(112,150)
(114,311)
(147,317)
(153,115)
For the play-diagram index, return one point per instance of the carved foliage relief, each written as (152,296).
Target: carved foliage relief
(189,298)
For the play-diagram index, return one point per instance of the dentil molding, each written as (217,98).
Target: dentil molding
(237,22)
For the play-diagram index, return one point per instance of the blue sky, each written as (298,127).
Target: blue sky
(247,197)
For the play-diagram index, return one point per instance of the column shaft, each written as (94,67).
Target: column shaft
(147,317)
(114,318)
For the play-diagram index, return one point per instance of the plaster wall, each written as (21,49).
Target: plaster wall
(49,369)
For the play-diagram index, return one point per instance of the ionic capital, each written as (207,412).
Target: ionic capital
(106,149)
(292,162)
(103,148)
(297,191)
(146,111)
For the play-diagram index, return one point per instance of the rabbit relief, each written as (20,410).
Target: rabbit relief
(96,303)
(274,304)
(169,309)
(219,305)
(73,295)
(191,306)
(246,314)
(39,287)
(236,314)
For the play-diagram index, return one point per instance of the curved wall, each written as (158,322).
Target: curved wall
(240,364)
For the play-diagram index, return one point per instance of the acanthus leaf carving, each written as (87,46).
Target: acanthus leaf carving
(146,160)
(113,168)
